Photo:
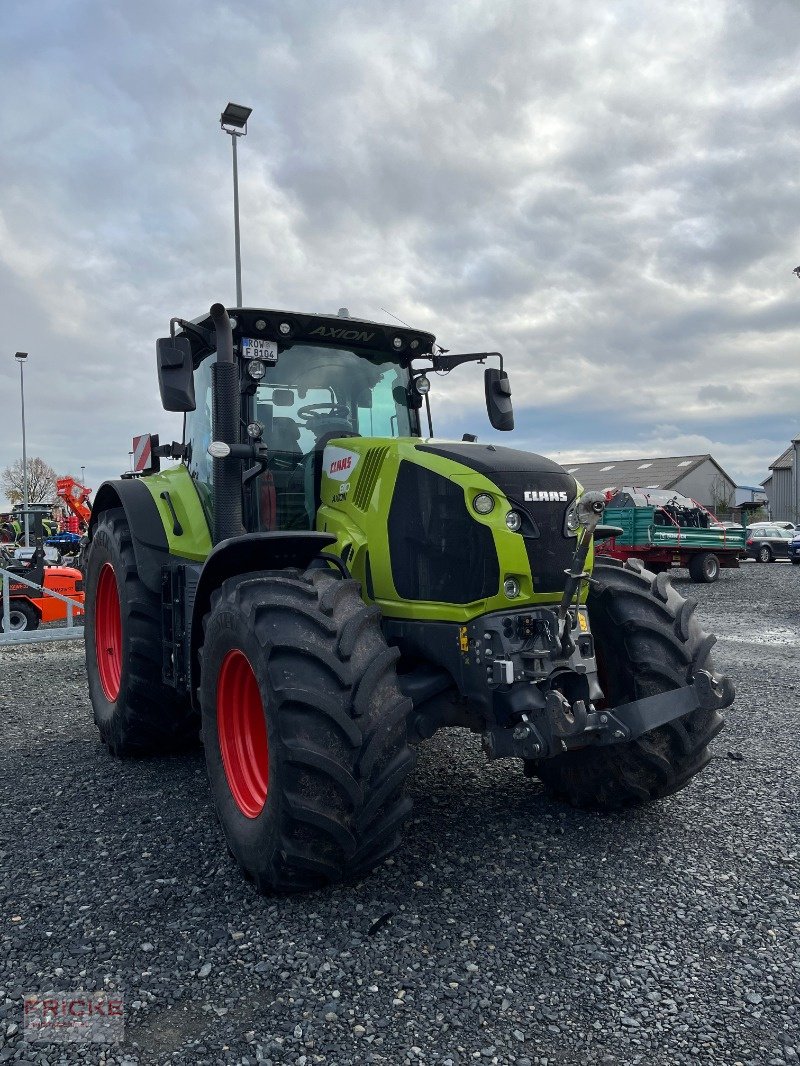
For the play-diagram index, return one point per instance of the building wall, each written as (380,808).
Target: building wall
(700,482)
(744,494)
(781,502)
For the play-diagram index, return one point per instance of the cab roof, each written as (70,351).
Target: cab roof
(291,327)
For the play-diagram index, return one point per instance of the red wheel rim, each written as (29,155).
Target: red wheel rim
(242,733)
(108,633)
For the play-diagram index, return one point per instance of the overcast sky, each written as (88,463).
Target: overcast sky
(607,193)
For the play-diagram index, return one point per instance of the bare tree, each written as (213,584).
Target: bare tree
(722,498)
(41,481)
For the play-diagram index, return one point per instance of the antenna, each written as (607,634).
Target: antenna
(402,323)
(442,351)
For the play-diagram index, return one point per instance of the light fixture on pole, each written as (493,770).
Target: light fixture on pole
(83,476)
(233,121)
(21,357)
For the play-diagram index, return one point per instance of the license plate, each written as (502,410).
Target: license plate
(259,348)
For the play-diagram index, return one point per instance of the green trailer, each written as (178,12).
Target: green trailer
(679,533)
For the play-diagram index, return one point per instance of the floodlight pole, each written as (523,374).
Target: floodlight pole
(236,242)
(21,357)
(233,121)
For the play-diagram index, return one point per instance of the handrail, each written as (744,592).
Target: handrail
(7,577)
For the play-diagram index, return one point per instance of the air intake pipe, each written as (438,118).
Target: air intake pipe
(225,427)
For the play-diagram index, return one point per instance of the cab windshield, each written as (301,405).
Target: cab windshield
(313,395)
(318,391)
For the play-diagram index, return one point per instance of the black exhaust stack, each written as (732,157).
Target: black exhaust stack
(225,427)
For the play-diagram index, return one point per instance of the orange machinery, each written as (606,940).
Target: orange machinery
(76,497)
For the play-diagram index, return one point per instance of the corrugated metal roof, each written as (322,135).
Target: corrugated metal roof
(784,461)
(657,472)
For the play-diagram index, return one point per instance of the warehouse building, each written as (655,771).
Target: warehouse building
(697,476)
(781,487)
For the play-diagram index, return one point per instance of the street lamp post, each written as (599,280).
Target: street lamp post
(83,476)
(21,357)
(233,121)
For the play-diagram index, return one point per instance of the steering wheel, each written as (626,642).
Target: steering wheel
(330,408)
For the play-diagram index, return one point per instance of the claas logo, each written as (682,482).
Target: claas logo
(340,464)
(545,496)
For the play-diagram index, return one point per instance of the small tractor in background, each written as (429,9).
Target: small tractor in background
(12,523)
(316,587)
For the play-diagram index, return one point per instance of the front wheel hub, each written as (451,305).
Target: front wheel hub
(108,633)
(242,731)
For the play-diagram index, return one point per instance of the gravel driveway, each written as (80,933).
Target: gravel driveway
(508,930)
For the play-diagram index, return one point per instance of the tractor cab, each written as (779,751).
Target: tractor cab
(304,381)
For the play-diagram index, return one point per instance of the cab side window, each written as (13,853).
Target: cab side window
(197,435)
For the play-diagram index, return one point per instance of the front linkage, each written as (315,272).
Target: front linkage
(548,667)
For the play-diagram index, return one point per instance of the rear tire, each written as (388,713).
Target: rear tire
(764,554)
(135,712)
(704,568)
(22,616)
(648,641)
(304,728)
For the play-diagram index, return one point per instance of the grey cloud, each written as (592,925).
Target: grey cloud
(606,194)
(722,393)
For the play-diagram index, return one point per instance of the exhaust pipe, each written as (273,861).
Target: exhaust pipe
(227,493)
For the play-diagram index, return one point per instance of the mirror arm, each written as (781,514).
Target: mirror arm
(449,362)
(206,336)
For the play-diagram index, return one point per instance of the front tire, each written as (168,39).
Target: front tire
(135,712)
(648,641)
(304,728)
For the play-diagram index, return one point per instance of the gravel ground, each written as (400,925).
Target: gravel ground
(508,930)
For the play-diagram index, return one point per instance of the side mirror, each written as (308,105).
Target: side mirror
(498,398)
(175,373)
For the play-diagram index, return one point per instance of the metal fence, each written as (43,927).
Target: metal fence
(36,636)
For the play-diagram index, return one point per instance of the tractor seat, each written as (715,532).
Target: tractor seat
(284,444)
(282,506)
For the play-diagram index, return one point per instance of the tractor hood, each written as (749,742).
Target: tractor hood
(414,505)
(490,459)
(535,486)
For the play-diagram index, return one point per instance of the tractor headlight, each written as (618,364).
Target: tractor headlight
(422,385)
(514,521)
(256,369)
(572,522)
(511,588)
(483,503)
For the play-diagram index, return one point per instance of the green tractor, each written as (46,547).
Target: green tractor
(315,588)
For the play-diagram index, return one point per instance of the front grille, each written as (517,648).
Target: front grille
(438,551)
(550,553)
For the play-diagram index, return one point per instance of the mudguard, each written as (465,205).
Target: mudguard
(150,544)
(241,555)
